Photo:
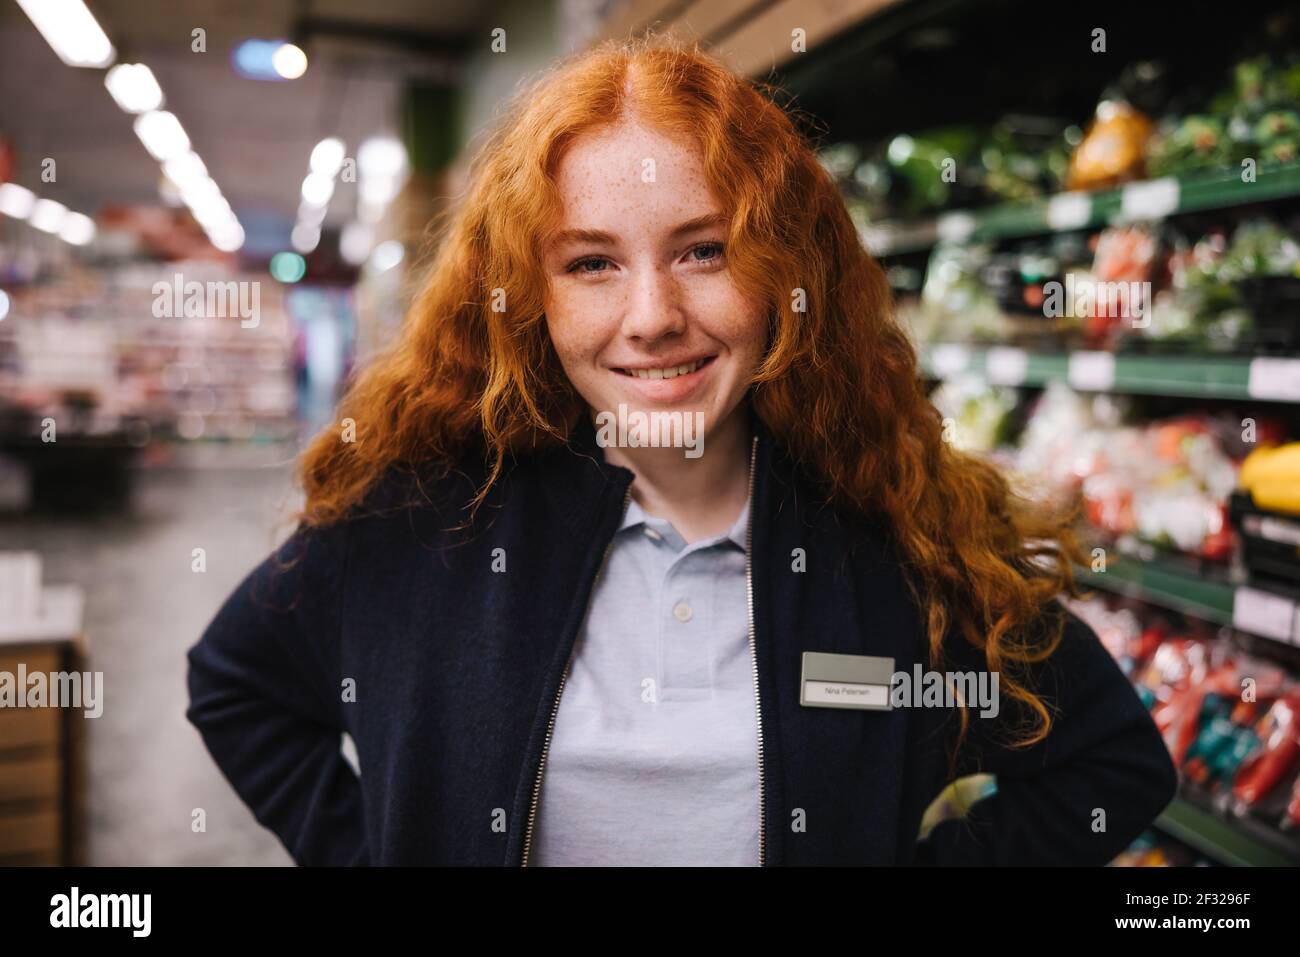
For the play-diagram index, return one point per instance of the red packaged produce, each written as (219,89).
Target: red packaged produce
(1279,755)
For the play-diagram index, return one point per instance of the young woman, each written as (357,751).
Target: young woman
(554,642)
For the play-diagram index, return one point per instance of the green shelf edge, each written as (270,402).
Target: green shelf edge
(1218,838)
(1207,377)
(1195,193)
(1163,586)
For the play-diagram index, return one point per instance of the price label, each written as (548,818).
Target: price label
(1272,378)
(878,240)
(1069,210)
(948,360)
(1092,371)
(1263,613)
(1006,366)
(1154,199)
(956,227)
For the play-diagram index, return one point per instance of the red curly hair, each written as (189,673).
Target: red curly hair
(839,386)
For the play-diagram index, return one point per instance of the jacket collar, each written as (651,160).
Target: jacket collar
(579,475)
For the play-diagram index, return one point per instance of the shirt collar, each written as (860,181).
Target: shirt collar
(635,515)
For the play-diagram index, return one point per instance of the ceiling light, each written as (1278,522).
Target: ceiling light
(381,157)
(212,211)
(71,30)
(374,191)
(289,61)
(327,157)
(16,201)
(355,242)
(307,213)
(386,255)
(47,215)
(186,170)
(317,189)
(201,192)
(228,238)
(77,229)
(305,237)
(162,135)
(133,88)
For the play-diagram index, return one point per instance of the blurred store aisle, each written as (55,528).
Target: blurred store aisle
(147,767)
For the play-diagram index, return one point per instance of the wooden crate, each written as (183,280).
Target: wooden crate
(40,760)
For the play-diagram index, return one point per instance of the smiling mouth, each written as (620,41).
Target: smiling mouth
(667,372)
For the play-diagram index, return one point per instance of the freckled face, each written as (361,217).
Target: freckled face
(641,306)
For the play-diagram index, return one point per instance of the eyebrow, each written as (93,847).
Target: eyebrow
(596,236)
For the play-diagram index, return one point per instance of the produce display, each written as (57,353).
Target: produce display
(1255,117)
(1166,483)
(1271,476)
(1018,159)
(1153,849)
(1113,150)
(1231,720)
(978,417)
(1052,243)
(1232,289)
(1266,513)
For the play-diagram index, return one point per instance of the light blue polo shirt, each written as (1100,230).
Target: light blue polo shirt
(654,754)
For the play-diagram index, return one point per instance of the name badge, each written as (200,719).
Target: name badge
(845,681)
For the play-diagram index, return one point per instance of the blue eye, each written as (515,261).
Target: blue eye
(592,264)
(706,252)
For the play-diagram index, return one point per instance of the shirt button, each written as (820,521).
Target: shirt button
(682,611)
(651,534)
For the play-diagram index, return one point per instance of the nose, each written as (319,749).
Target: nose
(654,309)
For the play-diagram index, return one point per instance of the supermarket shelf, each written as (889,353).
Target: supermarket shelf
(1150,199)
(1265,378)
(1235,841)
(1164,583)
(1180,585)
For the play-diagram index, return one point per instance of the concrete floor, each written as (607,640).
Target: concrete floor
(148,768)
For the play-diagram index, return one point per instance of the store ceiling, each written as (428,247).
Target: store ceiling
(255,137)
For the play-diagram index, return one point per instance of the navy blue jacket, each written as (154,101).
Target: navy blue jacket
(456,670)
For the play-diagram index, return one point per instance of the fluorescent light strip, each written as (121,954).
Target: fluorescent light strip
(78,229)
(317,191)
(71,31)
(327,157)
(47,215)
(16,201)
(186,170)
(162,135)
(133,88)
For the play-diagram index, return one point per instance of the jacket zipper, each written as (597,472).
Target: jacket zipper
(555,705)
(753,654)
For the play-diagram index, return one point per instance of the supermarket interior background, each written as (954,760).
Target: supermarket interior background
(300,152)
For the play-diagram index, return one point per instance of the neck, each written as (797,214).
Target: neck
(702,496)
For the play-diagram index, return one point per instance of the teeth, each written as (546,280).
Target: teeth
(670,373)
